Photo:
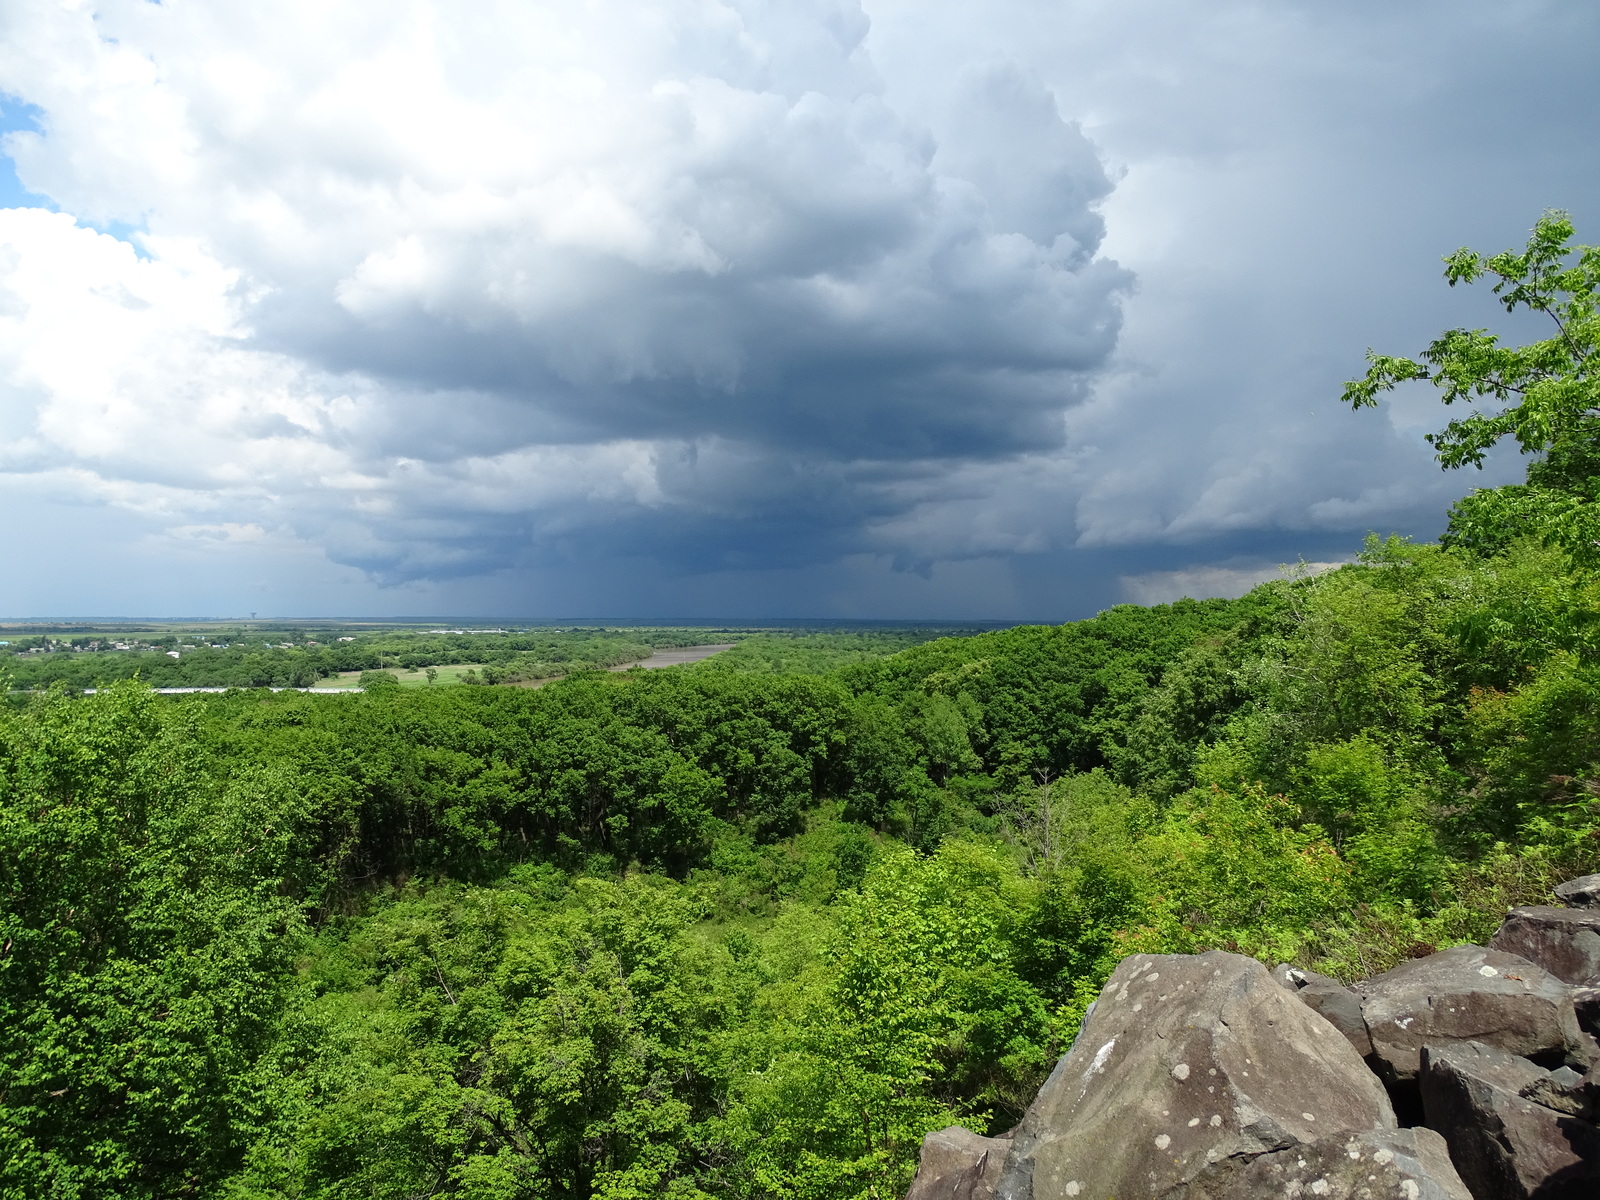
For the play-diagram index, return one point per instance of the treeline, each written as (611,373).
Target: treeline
(817,653)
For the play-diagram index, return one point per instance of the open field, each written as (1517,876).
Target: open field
(448,674)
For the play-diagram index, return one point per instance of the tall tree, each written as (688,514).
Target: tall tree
(1547,393)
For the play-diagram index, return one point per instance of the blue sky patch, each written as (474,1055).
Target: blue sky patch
(16,115)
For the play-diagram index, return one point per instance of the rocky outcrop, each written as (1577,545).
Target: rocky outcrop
(1207,1078)
(1505,1144)
(1189,1068)
(1468,993)
(958,1164)
(1564,941)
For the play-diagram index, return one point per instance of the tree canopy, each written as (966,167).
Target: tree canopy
(1544,396)
(740,933)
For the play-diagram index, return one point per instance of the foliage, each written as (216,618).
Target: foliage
(816,653)
(146,946)
(1549,393)
(715,932)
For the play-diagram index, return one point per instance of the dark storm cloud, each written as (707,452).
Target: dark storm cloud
(898,297)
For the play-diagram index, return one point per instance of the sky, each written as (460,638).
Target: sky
(738,308)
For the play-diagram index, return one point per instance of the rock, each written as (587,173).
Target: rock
(1294,978)
(1466,993)
(1506,1146)
(1586,1004)
(1337,1004)
(958,1164)
(1583,892)
(1509,1072)
(1189,1066)
(1407,1164)
(1564,1090)
(1564,941)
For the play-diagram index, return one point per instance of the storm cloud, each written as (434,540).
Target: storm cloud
(869,310)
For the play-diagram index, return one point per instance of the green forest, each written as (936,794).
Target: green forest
(751,927)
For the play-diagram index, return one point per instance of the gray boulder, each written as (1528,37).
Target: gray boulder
(1189,1068)
(957,1164)
(1467,993)
(1407,1164)
(1583,892)
(1335,1003)
(1564,941)
(1505,1145)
